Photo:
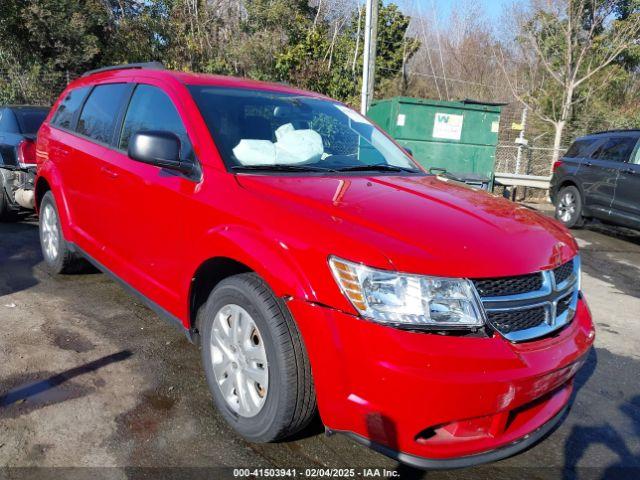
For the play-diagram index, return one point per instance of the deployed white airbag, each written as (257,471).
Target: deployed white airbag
(282,130)
(299,146)
(292,147)
(255,152)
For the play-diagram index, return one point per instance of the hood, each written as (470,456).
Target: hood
(421,224)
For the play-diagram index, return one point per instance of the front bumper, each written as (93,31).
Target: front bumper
(439,401)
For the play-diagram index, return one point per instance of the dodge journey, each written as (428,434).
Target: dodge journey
(319,269)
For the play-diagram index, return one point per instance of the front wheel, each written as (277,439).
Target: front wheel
(7,214)
(254,360)
(569,207)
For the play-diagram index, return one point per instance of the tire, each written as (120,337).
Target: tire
(286,403)
(569,207)
(7,214)
(57,255)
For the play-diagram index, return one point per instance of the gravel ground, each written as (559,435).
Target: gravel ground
(94,382)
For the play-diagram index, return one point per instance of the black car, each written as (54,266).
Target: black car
(18,128)
(599,177)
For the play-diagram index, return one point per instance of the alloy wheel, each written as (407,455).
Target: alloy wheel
(567,207)
(50,232)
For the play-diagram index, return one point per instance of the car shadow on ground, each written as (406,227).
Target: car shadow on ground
(604,434)
(20,254)
(583,437)
(621,233)
(18,257)
(624,276)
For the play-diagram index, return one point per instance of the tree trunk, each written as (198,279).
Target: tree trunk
(565,115)
(557,140)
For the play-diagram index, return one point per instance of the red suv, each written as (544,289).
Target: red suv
(316,264)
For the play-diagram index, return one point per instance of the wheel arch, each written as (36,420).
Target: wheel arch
(209,274)
(42,187)
(48,181)
(240,249)
(570,182)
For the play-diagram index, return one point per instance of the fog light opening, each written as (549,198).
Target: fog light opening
(424,435)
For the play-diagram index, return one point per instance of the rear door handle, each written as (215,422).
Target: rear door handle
(107,171)
(588,164)
(629,171)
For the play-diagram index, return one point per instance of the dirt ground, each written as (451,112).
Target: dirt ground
(91,378)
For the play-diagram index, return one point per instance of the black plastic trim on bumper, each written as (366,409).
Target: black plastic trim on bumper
(468,461)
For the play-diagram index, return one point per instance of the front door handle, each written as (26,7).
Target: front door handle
(588,164)
(107,171)
(629,171)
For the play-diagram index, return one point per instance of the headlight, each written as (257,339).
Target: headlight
(408,300)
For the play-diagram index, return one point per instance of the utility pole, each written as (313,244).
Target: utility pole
(521,140)
(369,60)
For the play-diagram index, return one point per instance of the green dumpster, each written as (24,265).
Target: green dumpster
(459,137)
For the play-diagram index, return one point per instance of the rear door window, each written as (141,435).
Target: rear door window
(152,109)
(579,148)
(100,112)
(616,149)
(65,114)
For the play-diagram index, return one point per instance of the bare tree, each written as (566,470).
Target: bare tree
(468,64)
(564,48)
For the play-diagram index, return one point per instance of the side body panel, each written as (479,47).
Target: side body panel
(597,180)
(626,204)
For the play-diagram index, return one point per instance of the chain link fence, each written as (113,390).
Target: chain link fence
(524,160)
(32,87)
(515,157)
(534,158)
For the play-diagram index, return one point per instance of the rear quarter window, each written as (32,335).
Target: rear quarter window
(65,114)
(579,148)
(99,114)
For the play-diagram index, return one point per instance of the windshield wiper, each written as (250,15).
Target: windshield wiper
(281,168)
(377,167)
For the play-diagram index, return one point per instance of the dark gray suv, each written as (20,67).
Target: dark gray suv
(599,177)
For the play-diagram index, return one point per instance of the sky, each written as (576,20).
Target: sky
(493,8)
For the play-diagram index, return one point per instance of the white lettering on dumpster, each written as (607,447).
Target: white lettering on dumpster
(447,126)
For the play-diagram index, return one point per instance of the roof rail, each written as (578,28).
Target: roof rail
(125,66)
(619,130)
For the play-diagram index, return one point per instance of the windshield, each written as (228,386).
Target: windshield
(260,130)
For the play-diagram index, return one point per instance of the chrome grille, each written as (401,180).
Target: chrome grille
(525,313)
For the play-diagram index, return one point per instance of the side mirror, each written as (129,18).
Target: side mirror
(409,151)
(158,148)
